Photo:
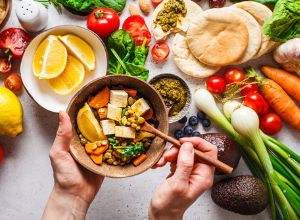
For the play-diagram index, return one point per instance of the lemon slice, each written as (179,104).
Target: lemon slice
(88,124)
(80,49)
(50,58)
(70,79)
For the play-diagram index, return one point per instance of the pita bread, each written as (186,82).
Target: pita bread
(192,10)
(186,62)
(218,37)
(255,34)
(261,13)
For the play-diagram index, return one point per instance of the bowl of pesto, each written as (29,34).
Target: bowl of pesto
(175,93)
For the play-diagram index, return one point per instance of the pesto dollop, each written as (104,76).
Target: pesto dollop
(172,11)
(173,93)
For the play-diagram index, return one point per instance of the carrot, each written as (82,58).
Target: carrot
(281,103)
(97,158)
(149,114)
(101,99)
(102,112)
(140,159)
(100,150)
(131,92)
(289,82)
(90,147)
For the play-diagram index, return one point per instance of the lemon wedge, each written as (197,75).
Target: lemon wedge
(50,58)
(70,79)
(80,49)
(88,124)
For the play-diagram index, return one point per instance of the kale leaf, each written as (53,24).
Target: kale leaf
(130,150)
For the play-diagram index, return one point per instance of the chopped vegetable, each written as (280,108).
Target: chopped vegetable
(13,42)
(288,55)
(285,21)
(90,147)
(149,114)
(130,150)
(284,169)
(103,21)
(101,99)
(13,82)
(280,102)
(97,158)
(131,92)
(125,57)
(289,82)
(140,159)
(160,51)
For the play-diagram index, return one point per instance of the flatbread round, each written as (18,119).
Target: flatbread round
(255,34)
(261,13)
(186,62)
(192,10)
(217,37)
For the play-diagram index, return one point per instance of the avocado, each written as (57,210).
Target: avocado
(246,195)
(228,150)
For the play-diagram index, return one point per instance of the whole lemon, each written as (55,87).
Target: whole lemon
(11,113)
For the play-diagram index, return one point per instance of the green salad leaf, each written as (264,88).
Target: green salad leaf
(284,24)
(86,6)
(130,150)
(125,57)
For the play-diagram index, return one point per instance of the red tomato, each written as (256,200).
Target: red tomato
(233,75)
(13,82)
(266,108)
(249,88)
(160,51)
(216,84)
(5,66)
(14,41)
(1,153)
(103,21)
(270,124)
(256,102)
(136,26)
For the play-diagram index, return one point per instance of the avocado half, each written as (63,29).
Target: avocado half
(246,195)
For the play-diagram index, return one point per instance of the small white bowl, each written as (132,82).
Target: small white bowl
(40,90)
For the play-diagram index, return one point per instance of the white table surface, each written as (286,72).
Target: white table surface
(26,174)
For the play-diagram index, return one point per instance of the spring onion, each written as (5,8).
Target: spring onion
(268,159)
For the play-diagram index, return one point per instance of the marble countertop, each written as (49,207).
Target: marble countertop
(26,175)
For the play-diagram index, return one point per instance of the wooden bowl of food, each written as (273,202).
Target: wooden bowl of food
(107,115)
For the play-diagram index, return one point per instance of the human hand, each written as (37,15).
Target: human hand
(186,182)
(74,187)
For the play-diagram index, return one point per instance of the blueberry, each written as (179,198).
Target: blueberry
(178,134)
(193,121)
(183,120)
(201,115)
(196,134)
(188,130)
(206,123)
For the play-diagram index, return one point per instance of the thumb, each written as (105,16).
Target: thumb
(64,133)
(185,162)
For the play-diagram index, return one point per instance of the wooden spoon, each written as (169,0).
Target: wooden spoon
(198,154)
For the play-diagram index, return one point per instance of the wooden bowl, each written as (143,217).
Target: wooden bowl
(149,93)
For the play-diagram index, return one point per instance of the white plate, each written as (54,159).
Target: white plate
(39,89)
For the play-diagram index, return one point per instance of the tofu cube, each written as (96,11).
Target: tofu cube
(124,132)
(114,112)
(140,106)
(108,126)
(118,98)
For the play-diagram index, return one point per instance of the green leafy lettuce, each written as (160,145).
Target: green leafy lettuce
(128,150)
(125,57)
(86,6)
(285,21)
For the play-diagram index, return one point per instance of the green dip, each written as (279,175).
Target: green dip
(173,93)
(173,11)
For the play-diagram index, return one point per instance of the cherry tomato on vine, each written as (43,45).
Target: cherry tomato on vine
(234,75)
(216,84)
(249,88)
(270,124)
(1,153)
(13,82)
(136,26)
(5,66)
(160,51)
(256,102)
(266,108)
(103,21)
